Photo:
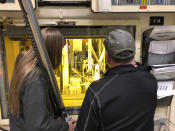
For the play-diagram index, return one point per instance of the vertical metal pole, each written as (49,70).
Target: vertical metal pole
(4,85)
(89,55)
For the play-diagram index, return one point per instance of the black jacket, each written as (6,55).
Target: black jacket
(123,100)
(35,112)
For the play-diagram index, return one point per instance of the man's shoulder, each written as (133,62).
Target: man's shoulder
(98,84)
(148,74)
(146,70)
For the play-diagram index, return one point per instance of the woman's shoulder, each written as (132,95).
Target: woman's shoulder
(35,79)
(35,76)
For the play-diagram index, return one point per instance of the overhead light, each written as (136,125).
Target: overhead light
(47,23)
(43,23)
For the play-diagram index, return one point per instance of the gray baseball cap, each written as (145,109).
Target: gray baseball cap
(119,41)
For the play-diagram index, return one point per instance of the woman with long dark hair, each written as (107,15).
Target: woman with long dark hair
(30,108)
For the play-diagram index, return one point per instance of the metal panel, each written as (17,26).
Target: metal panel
(11,6)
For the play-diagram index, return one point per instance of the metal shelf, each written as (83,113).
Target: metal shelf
(134,8)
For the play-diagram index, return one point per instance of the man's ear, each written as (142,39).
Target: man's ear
(108,58)
(106,55)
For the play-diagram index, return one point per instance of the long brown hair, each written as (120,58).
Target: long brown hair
(27,61)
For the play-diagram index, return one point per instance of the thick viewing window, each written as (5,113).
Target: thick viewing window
(83,59)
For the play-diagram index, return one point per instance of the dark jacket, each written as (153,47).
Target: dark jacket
(123,100)
(36,113)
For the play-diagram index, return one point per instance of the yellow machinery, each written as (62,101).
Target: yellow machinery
(83,62)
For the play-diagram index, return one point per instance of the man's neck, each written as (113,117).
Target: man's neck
(132,62)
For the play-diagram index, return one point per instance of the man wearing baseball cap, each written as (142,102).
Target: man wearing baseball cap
(125,98)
